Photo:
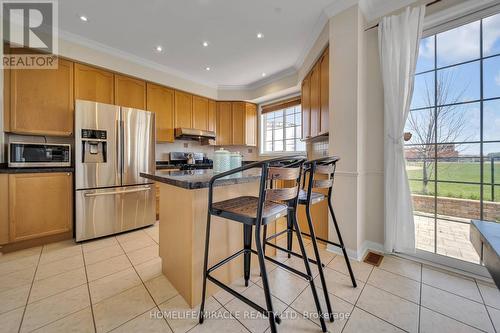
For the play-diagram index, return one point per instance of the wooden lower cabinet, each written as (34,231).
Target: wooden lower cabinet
(4,208)
(40,204)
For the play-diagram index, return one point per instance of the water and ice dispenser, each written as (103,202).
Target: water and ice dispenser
(94,146)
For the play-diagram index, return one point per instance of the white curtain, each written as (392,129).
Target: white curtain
(399,38)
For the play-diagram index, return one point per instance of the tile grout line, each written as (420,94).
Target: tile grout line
(145,287)
(356,307)
(485,307)
(88,290)
(420,298)
(31,287)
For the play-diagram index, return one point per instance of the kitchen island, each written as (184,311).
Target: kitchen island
(183,218)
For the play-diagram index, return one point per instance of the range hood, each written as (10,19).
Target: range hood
(193,134)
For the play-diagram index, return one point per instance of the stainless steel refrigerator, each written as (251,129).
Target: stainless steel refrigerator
(113,144)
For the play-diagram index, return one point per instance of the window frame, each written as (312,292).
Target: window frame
(262,134)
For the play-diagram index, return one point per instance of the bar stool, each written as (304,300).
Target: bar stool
(271,204)
(307,197)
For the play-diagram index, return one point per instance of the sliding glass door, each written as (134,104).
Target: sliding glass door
(453,156)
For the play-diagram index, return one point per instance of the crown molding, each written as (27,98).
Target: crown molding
(262,82)
(339,6)
(318,28)
(91,44)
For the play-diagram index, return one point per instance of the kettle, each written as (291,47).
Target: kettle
(190,158)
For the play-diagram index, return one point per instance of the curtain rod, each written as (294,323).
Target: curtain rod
(427,5)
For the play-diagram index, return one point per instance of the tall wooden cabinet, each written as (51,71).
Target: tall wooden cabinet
(94,84)
(183,110)
(324,92)
(130,92)
(315,99)
(40,101)
(306,107)
(160,100)
(200,113)
(40,204)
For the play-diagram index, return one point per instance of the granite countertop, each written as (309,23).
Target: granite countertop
(196,179)
(490,233)
(5,169)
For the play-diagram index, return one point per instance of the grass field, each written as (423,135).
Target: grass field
(457,171)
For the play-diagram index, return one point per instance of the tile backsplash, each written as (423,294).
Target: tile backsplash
(163,149)
(317,148)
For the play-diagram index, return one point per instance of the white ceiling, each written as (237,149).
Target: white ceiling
(235,55)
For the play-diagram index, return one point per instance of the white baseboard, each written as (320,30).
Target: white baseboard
(358,255)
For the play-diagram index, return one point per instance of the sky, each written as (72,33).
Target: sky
(462,83)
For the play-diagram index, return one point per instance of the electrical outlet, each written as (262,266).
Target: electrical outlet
(186,145)
(250,150)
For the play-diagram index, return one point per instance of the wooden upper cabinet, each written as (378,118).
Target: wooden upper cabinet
(40,204)
(41,100)
(250,124)
(183,110)
(94,84)
(200,113)
(160,100)
(324,93)
(212,115)
(224,123)
(306,107)
(238,123)
(315,100)
(130,92)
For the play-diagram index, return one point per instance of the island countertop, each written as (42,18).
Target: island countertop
(197,179)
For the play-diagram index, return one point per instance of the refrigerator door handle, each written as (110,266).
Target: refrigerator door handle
(147,188)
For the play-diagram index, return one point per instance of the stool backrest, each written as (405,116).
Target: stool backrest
(287,174)
(323,166)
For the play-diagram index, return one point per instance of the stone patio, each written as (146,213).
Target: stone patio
(452,238)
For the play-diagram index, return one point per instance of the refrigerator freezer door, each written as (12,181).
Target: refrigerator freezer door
(97,150)
(138,145)
(112,210)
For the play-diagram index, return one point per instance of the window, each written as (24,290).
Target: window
(453,157)
(281,129)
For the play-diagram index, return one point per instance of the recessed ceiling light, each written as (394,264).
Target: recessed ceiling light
(264,74)
(205,44)
(159,48)
(260,35)
(84,18)
(207,68)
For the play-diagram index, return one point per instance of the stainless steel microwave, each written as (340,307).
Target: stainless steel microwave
(28,155)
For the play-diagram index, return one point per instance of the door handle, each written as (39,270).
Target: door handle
(117,192)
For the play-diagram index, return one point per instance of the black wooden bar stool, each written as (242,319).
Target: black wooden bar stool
(307,196)
(271,204)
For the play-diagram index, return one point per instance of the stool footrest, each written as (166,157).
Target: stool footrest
(295,254)
(288,268)
(237,295)
(228,259)
(276,235)
(323,240)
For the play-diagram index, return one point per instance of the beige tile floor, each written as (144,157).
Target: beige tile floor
(115,284)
